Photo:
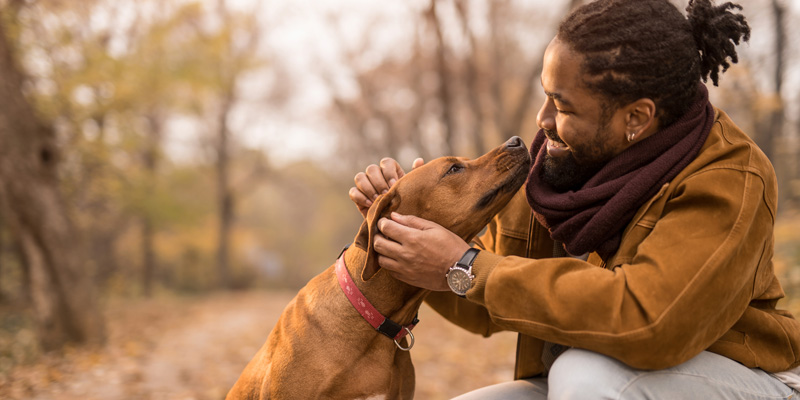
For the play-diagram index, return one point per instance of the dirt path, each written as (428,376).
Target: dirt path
(195,348)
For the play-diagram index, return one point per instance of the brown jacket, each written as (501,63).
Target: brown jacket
(693,272)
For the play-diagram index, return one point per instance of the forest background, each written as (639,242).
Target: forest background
(167,162)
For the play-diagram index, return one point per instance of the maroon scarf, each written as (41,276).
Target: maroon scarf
(594,217)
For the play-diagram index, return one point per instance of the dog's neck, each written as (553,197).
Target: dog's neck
(394,299)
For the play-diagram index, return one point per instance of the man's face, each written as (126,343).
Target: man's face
(582,135)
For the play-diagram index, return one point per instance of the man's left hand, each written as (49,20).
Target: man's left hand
(417,251)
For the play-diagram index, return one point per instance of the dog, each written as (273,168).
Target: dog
(322,346)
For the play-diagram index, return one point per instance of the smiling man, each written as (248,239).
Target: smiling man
(584,140)
(637,260)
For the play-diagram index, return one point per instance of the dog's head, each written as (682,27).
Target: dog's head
(459,194)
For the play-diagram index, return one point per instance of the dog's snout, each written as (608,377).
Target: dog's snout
(514,142)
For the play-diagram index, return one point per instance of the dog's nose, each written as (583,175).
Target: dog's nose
(514,142)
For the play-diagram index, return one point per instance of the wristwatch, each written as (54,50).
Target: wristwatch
(460,277)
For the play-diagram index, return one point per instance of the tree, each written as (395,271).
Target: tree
(776,145)
(33,204)
(224,55)
(462,89)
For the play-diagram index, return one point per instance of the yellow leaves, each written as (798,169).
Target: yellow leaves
(786,229)
(133,348)
(196,347)
(787,259)
(441,346)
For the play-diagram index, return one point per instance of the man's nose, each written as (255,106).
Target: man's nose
(546,118)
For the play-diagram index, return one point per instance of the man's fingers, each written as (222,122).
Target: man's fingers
(388,263)
(391,170)
(412,221)
(365,186)
(417,163)
(376,180)
(359,198)
(362,202)
(385,246)
(389,253)
(394,231)
(404,230)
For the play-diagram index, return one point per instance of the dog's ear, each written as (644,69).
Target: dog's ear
(382,207)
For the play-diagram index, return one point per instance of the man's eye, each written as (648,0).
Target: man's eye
(455,168)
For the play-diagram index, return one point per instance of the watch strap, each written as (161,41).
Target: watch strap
(468,258)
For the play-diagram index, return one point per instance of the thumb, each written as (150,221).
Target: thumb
(412,221)
(417,163)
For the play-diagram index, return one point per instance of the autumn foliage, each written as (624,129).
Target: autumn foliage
(172,168)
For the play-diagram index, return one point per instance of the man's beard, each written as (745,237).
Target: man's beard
(565,173)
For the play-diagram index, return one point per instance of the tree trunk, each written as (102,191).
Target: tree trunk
(471,78)
(224,193)
(150,156)
(148,256)
(61,288)
(445,95)
(2,255)
(497,71)
(514,127)
(776,144)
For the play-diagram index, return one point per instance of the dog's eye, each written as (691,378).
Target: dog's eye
(455,168)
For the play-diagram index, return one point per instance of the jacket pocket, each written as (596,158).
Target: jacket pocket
(512,242)
(733,344)
(629,245)
(639,228)
(733,337)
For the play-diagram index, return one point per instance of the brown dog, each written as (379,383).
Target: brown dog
(321,347)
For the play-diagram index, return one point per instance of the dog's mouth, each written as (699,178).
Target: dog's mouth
(512,183)
(514,180)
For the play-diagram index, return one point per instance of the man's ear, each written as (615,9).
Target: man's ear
(641,117)
(382,207)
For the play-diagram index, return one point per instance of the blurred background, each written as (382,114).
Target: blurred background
(172,171)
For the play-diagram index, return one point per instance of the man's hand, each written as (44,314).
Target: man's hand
(376,180)
(417,251)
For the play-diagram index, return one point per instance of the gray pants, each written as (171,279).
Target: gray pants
(581,374)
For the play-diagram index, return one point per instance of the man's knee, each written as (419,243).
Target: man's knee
(581,373)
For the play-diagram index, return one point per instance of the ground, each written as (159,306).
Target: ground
(196,347)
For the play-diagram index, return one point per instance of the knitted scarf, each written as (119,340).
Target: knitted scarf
(594,217)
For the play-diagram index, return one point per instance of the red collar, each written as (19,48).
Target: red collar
(381,324)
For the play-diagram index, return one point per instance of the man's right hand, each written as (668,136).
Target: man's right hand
(376,180)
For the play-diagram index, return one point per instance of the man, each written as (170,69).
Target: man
(636,261)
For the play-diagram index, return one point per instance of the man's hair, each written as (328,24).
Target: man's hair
(636,49)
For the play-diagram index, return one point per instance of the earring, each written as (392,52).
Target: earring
(631,136)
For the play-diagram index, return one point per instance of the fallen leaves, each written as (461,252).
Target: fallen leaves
(196,347)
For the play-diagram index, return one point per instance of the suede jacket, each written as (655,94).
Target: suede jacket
(693,272)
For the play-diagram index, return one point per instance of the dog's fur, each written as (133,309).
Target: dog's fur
(321,348)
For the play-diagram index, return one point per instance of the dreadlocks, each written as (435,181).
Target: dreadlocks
(646,48)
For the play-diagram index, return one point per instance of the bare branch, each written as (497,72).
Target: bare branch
(445,93)
(473,91)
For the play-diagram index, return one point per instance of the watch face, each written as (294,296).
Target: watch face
(459,281)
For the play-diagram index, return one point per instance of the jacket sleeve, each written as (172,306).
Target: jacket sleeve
(690,278)
(462,312)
